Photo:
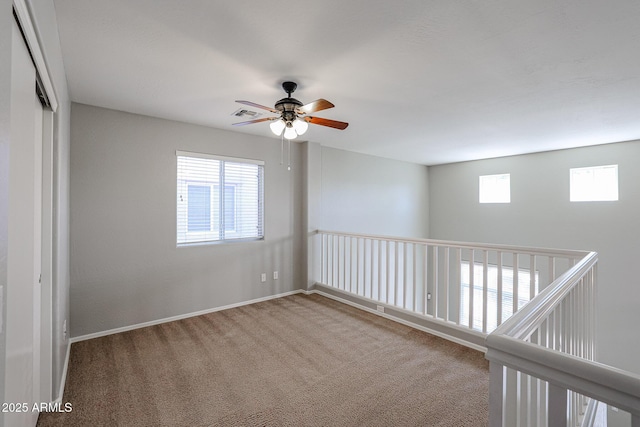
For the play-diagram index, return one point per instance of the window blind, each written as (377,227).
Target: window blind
(218,198)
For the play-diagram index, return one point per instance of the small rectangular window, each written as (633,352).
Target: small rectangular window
(593,184)
(218,198)
(495,188)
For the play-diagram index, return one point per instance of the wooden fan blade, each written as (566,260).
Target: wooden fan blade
(312,107)
(250,122)
(253,104)
(326,122)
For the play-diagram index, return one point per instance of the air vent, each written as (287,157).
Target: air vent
(246,113)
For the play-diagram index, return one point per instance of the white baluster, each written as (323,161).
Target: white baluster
(499,288)
(516,282)
(425,280)
(557,413)
(485,287)
(415,279)
(471,286)
(496,393)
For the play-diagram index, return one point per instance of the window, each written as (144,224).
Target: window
(218,198)
(198,207)
(523,292)
(495,188)
(593,184)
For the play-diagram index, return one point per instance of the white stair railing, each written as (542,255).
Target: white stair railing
(469,285)
(535,307)
(542,360)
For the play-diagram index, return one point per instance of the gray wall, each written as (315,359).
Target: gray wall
(365,194)
(540,214)
(351,192)
(125,267)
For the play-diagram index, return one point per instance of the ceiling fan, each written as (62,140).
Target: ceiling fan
(292,116)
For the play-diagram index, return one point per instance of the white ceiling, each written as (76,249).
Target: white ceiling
(426,81)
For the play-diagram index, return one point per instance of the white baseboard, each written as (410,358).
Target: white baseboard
(179,317)
(63,377)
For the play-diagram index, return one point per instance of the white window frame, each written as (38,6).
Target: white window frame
(491,189)
(217,233)
(593,184)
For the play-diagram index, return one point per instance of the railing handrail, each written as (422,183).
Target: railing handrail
(604,383)
(525,320)
(465,245)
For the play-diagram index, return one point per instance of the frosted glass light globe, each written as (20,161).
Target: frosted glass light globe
(277,127)
(290,133)
(300,126)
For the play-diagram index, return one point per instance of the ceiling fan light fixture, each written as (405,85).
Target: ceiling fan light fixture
(292,114)
(277,126)
(290,133)
(300,126)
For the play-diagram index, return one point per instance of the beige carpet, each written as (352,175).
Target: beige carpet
(294,361)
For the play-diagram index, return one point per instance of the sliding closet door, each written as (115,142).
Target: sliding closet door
(46,286)
(37,246)
(24,255)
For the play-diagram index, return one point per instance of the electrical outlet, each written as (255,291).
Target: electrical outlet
(275,275)
(380,308)
(429,296)
(263,277)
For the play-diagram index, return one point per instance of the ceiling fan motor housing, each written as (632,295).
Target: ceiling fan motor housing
(288,105)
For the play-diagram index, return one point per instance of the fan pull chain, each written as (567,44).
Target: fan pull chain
(282,148)
(288,152)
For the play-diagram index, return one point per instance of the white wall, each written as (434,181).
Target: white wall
(540,214)
(125,267)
